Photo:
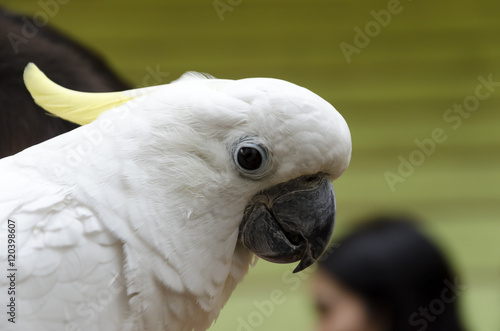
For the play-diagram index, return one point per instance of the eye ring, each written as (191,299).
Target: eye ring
(251,159)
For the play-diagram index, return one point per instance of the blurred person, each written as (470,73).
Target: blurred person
(386,276)
(22,40)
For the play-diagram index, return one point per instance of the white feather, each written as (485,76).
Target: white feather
(131,222)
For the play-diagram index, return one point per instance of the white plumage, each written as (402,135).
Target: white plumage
(131,222)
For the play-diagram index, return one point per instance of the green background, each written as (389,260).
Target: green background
(397,89)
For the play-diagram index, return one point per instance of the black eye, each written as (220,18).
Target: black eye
(249,158)
(252,159)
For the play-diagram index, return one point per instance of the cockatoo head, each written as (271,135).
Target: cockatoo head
(267,148)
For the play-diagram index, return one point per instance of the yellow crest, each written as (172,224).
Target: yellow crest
(77,107)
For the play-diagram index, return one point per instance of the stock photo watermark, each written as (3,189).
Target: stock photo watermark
(223,6)
(265,308)
(11,270)
(94,136)
(48,10)
(362,37)
(156,74)
(454,117)
(437,306)
(88,311)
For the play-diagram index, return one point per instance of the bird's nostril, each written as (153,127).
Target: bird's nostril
(294,239)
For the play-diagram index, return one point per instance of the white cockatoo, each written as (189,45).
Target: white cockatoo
(148,216)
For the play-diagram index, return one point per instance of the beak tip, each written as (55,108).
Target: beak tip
(305,263)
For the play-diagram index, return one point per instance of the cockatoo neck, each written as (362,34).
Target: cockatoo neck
(164,205)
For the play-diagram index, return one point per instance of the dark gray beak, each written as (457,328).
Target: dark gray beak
(291,221)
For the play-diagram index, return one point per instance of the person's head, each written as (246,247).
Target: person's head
(386,276)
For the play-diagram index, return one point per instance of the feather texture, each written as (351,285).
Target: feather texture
(131,222)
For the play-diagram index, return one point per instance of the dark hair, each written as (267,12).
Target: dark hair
(399,273)
(22,122)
